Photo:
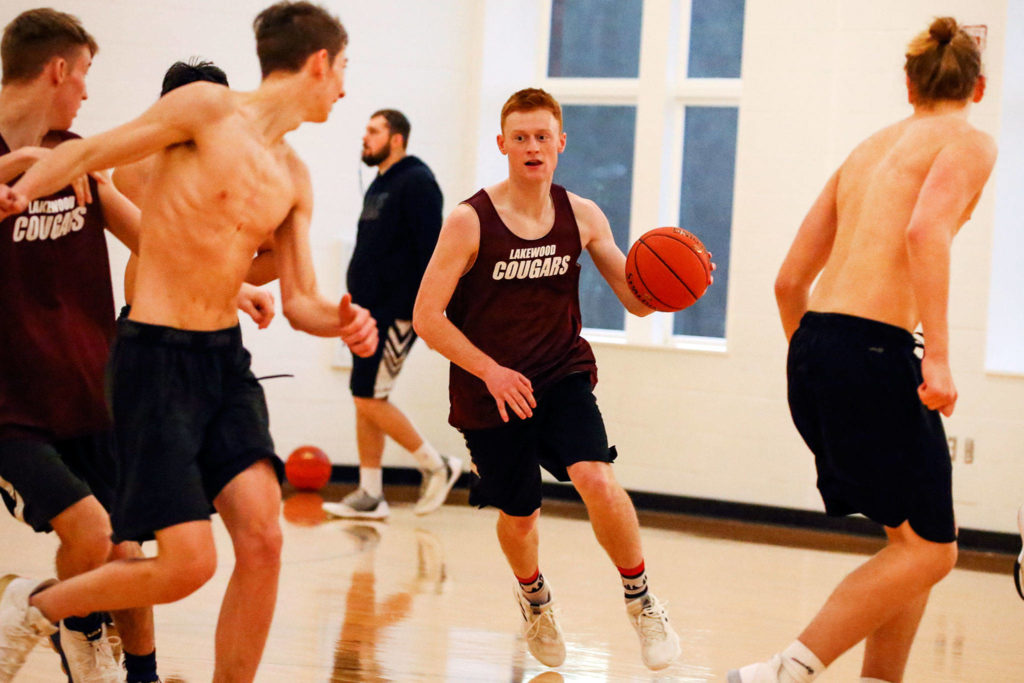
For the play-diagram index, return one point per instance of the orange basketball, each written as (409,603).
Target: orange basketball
(308,468)
(668,269)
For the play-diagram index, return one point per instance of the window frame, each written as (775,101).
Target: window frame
(660,92)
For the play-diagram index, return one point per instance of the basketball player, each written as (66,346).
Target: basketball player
(880,235)
(506,272)
(57,471)
(397,232)
(190,419)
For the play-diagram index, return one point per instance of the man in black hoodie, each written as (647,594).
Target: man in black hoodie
(398,229)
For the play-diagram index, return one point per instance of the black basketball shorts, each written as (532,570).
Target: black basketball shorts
(566,428)
(374,377)
(189,416)
(39,479)
(879,451)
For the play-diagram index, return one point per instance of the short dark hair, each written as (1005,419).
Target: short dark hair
(35,37)
(287,33)
(397,122)
(195,69)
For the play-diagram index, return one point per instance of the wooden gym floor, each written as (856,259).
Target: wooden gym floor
(430,599)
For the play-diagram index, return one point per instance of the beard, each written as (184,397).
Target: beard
(374,158)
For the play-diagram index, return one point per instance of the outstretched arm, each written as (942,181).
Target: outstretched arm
(950,190)
(172,119)
(597,238)
(453,257)
(807,256)
(301,301)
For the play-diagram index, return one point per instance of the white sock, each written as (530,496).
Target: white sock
(428,458)
(371,480)
(802,665)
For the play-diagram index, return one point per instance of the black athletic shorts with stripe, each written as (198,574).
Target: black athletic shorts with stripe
(879,451)
(189,416)
(40,478)
(374,377)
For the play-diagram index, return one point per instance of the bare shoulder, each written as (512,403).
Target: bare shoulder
(203,100)
(586,210)
(463,221)
(980,145)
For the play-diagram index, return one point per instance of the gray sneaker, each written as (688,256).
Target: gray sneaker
(22,626)
(437,484)
(359,505)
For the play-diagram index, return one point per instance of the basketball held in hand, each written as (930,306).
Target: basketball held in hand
(308,468)
(668,269)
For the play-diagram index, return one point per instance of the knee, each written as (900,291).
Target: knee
(86,544)
(942,560)
(181,577)
(127,550)
(519,527)
(594,482)
(259,545)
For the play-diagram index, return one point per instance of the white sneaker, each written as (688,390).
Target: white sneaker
(90,657)
(659,642)
(762,672)
(359,505)
(437,484)
(543,634)
(1018,565)
(22,626)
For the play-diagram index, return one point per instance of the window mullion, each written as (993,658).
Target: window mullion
(652,122)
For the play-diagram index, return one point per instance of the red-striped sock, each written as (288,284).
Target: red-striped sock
(634,581)
(535,588)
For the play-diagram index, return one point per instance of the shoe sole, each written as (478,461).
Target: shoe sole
(456,473)
(339,513)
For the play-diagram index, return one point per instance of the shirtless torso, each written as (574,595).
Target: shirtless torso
(879,184)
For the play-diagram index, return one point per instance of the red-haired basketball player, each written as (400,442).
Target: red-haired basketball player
(506,272)
(880,236)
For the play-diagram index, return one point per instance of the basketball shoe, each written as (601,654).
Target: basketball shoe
(90,656)
(543,635)
(1018,565)
(22,626)
(659,642)
(360,505)
(436,485)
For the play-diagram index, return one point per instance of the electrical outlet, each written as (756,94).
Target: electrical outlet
(968,451)
(951,441)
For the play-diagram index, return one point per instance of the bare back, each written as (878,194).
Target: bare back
(867,273)
(210,203)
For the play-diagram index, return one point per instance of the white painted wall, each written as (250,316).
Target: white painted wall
(818,77)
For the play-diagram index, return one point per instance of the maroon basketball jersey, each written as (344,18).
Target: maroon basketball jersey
(519,304)
(58,310)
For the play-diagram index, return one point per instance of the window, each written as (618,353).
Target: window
(651,93)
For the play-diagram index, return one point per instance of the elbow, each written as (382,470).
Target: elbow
(786,287)
(291,314)
(419,325)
